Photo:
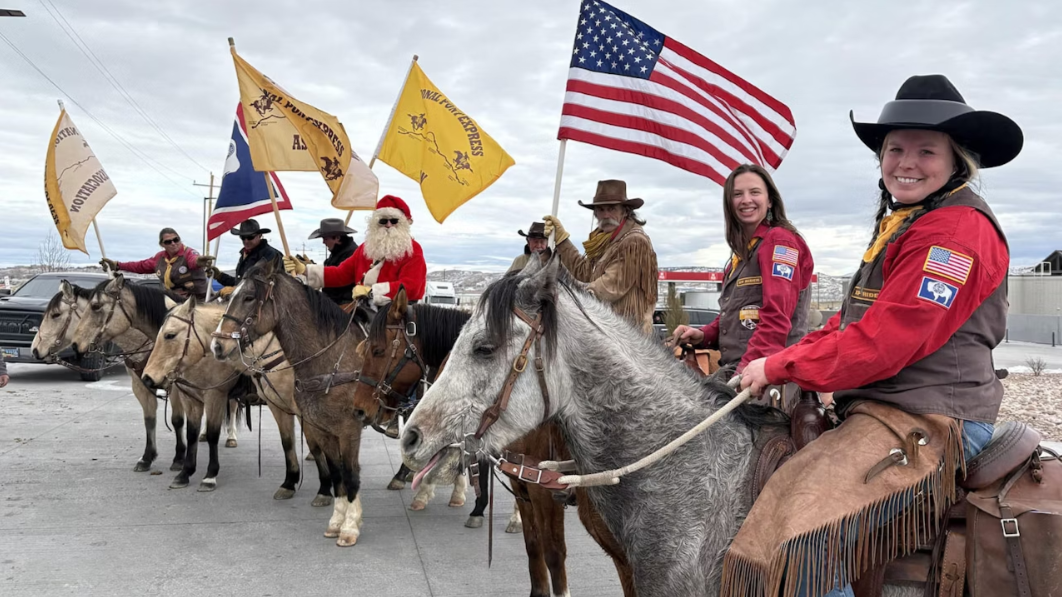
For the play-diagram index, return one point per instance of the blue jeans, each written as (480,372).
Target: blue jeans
(975,436)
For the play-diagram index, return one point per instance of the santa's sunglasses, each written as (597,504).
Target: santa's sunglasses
(171,241)
(384,221)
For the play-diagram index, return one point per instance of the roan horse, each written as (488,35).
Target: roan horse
(616,396)
(183,342)
(115,307)
(320,340)
(435,330)
(56,332)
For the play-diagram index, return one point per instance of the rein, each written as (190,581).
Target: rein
(117,303)
(383,389)
(176,377)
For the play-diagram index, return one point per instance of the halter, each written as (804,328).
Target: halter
(117,304)
(247,324)
(59,337)
(383,389)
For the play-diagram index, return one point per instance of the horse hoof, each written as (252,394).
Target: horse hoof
(179,483)
(395,485)
(176,466)
(474,522)
(310,458)
(202,437)
(142,467)
(514,528)
(332,532)
(207,485)
(320,501)
(230,443)
(346,540)
(456,503)
(284,494)
(417,506)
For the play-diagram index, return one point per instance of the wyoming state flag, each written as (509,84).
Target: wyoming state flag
(436,144)
(244,193)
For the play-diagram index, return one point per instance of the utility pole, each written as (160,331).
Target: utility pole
(208,208)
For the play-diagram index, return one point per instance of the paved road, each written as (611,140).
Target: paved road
(76,520)
(1015,354)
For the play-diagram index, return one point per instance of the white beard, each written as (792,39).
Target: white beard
(387,244)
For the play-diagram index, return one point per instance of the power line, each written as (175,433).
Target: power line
(136,152)
(81,45)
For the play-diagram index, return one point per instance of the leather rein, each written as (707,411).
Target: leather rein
(383,389)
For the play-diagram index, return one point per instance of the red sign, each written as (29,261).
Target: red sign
(679,276)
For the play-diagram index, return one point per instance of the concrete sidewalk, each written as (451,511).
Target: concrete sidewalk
(76,520)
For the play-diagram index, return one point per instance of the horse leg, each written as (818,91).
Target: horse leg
(286,425)
(150,405)
(475,520)
(516,523)
(330,447)
(351,528)
(194,416)
(552,530)
(324,493)
(399,480)
(595,525)
(216,403)
(177,422)
(457,496)
(425,494)
(533,542)
(230,427)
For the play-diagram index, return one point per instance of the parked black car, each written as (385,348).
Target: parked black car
(21,312)
(697,317)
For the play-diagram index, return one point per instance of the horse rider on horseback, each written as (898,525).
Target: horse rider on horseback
(620,263)
(765,299)
(255,248)
(181,268)
(537,244)
(389,258)
(909,352)
(336,238)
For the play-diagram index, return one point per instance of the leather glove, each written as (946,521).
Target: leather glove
(305,259)
(554,227)
(212,271)
(226,290)
(205,262)
(360,291)
(294,266)
(109,264)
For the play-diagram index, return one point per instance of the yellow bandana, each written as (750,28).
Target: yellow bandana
(166,275)
(597,243)
(890,224)
(735,260)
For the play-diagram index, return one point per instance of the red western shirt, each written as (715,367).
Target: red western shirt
(147,266)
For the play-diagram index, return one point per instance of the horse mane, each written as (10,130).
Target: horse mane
(437,328)
(150,302)
(327,314)
(79,293)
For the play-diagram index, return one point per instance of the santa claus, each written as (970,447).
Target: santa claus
(388,258)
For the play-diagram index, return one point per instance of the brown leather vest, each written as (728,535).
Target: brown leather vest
(739,310)
(958,379)
(183,278)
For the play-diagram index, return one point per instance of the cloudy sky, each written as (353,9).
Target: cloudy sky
(506,63)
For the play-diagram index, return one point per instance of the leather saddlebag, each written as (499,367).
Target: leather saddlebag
(1014,530)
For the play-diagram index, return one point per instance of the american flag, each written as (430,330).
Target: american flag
(948,263)
(785,254)
(633,89)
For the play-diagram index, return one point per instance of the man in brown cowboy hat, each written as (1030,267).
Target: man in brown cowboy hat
(620,263)
(537,244)
(255,249)
(336,238)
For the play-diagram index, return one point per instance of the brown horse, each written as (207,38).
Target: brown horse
(387,380)
(320,340)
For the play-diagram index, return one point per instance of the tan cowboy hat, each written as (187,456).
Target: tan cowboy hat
(612,192)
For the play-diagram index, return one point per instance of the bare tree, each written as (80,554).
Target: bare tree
(1037,365)
(52,256)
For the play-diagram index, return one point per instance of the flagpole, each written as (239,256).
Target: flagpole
(210,280)
(387,126)
(276,212)
(557,184)
(99,238)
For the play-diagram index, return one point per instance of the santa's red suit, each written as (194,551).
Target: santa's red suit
(388,258)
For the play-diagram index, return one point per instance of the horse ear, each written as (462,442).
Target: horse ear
(397,310)
(66,288)
(191,301)
(541,285)
(119,281)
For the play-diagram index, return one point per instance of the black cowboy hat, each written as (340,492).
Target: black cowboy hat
(537,230)
(331,227)
(932,103)
(249,228)
(612,192)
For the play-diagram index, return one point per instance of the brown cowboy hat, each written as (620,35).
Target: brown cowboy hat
(537,230)
(612,192)
(331,227)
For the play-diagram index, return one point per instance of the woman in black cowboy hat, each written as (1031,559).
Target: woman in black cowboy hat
(914,336)
(336,238)
(255,249)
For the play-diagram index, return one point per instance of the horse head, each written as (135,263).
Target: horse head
(56,329)
(105,318)
(180,344)
(251,311)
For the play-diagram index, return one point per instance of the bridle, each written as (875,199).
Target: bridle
(247,324)
(117,304)
(383,389)
(71,312)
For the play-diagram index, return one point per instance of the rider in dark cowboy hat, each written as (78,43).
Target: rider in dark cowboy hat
(336,237)
(255,249)
(909,355)
(537,244)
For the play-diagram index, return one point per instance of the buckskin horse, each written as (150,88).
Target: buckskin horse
(617,396)
(115,307)
(183,342)
(404,341)
(56,332)
(320,340)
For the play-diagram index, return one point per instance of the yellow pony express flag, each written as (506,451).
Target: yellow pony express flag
(436,144)
(75,185)
(285,134)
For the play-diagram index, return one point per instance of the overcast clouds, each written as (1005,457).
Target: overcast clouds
(505,63)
